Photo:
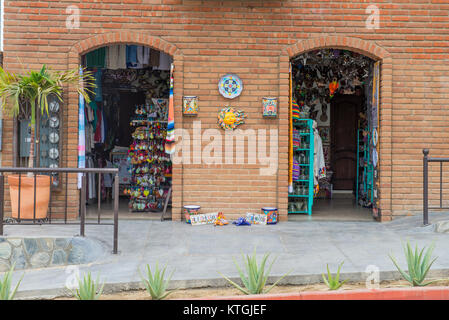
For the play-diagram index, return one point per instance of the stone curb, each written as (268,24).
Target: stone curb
(112,287)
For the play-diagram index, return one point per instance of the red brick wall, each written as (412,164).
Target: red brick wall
(255,40)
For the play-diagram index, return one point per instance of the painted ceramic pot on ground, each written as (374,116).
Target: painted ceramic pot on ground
(190,210)
(270,107)
(272,214)
(27,203)
(190,105)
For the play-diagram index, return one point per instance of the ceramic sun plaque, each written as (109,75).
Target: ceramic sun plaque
(190,105)
(270,106)
(230,86)
(230,118)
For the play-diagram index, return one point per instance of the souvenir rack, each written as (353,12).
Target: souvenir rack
(301,199)
(365,169)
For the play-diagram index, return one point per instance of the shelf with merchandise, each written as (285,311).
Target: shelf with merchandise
(301,199)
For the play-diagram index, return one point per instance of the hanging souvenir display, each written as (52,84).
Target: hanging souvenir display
(230,118)
(151,166)
(170,141)
(269,106)
(320,74)
(230,86)
(190,105)
(375,137)
(333,86)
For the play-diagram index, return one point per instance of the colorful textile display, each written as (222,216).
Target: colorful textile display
(296,170)
(170,141)
(230,118)
(296,138)
(295,110)
(290,130)
(81,136)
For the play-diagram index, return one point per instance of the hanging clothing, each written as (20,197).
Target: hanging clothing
(116,57)
(98,90)
(91,185)
(108,177)
(131,56)
(143,55)
(96,58)
(319,167)
(155,57)
(164,62)
(93,106)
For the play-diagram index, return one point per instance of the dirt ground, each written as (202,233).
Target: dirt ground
(228,291)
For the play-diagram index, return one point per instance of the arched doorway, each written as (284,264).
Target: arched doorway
(126,126)
(383,59)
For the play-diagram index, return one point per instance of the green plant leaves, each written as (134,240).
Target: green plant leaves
(88,289)
(256,277)
(333,283)
(417,263)
(5,285)
(155,283)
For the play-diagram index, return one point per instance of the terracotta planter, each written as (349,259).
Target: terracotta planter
(27,196)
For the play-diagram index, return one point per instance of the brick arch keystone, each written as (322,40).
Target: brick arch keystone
(125,37)
(371,50)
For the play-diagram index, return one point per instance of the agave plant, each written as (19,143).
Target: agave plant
(5,285)
(88,289)
(418,262)
(333,282)
(155,283)
(34,89)
(256,276)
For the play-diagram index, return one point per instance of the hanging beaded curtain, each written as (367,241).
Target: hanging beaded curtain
(290,144)
(170,140)
(81,135)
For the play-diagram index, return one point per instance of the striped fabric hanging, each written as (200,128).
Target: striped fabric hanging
(290,145)
(170,140)
(81,136)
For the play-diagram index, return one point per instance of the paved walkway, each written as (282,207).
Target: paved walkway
(198,253)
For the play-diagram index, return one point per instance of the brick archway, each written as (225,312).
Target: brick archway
(124,37)
(371,50)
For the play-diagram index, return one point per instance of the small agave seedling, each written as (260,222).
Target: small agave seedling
(88,289)
(255,279)
(333,282)
(156,284)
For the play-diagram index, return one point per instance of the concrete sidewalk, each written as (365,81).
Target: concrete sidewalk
(199,253)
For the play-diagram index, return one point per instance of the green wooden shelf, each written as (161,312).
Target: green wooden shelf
(306,137)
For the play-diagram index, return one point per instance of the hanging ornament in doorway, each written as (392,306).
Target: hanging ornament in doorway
(333,86)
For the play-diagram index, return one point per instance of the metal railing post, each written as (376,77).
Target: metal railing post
(116,203)
(425,187)
(83,204)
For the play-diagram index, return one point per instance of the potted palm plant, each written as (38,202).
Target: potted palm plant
(33,89)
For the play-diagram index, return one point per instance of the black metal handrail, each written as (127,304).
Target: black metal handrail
(426,160)
(82,216)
